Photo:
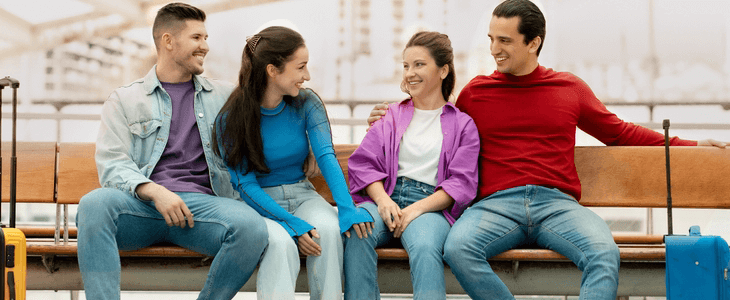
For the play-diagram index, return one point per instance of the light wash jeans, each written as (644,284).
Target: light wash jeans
(423,239)
(110,220)
(279,268)
(532,215)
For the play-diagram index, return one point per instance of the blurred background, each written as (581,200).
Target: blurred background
(647,60)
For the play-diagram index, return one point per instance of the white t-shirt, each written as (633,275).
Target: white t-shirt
(420,148)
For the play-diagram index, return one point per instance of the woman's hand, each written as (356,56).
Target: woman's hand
(390,212)
(362,229)
(410,213)
(307,246)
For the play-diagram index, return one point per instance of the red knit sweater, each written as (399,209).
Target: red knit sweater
(527,127)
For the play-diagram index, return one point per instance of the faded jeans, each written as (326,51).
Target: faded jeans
(110,220)
(531,215)
(423,239)
(279,268)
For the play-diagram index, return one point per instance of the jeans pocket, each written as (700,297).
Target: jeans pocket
(309,185)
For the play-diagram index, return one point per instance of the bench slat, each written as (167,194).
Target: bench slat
(635,176)
(77,173)
(627,254)
(48,232)
(36,171)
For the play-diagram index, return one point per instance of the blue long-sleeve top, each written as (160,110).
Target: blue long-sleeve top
(287,133)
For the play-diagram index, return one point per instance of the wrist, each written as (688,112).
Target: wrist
(150,191)
(382,200)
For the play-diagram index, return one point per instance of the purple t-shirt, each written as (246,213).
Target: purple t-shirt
(182,167)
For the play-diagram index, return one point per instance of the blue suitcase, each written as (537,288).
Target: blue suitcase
(696,266)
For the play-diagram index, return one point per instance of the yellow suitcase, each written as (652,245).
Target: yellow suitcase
(14,264)
(13,248)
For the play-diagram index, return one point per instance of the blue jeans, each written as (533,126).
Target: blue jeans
(279,268)
(423,239)
(110,220)
(531,215)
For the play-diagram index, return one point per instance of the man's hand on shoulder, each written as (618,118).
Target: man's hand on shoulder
(711,142)
(169,204)
(379,110)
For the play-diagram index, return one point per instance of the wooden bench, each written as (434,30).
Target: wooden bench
(59,174)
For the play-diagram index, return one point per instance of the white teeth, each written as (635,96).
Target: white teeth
(413,82)
(500,59)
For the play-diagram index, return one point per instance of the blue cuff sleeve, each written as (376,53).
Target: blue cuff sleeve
(320,138)
(251,192)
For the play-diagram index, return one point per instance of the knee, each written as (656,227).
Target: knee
(454,248)
(327,229)
(357,244)
(250,229)
(99,206)
(451,252)
(423,249)
(605,255)
(280,244)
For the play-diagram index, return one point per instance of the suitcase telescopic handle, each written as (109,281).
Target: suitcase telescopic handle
(15,84)
(665,124)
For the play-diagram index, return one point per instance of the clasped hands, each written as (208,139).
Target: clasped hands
(395,218)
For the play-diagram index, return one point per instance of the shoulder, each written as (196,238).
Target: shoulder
(134,88)
(215,85)
(308,99)
(397,107)
(567,77)
(460,116)
(479,81)
(221,85)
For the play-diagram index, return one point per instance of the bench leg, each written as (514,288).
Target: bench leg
(622,298)
(74,295)
(57,232)
(65,224)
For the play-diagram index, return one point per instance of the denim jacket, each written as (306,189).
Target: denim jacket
(135,126)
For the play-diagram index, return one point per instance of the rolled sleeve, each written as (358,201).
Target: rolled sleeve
(367,163)
(462,181)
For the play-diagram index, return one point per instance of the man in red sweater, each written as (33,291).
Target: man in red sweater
(529,189)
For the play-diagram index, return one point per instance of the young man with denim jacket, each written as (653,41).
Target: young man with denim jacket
(160,180)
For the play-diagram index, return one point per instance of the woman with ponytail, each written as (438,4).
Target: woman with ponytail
(264,133)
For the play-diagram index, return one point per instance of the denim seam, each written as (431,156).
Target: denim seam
(499,238)
(132,213)
(212,271)
(564,239)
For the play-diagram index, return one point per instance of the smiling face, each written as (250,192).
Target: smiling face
(421,76)
(289,80)
(508,47)
(189,47)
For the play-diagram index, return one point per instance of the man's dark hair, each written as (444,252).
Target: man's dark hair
(171,18)
(532,22)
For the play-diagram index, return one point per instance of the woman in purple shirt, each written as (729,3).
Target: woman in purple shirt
(415,172)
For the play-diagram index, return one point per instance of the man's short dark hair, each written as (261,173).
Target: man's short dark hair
(171,18)
(532,22)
